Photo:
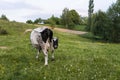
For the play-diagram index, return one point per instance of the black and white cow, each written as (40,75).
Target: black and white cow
(42,39)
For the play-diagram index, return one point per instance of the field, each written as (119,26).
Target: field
(77,58)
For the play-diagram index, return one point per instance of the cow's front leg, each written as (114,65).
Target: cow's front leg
(53,57)
(46,57)
(52,51)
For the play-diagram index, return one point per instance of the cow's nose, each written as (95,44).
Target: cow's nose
(55,46)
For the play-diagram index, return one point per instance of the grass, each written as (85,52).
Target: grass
(77,58)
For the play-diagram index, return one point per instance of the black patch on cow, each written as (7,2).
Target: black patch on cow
(47,33)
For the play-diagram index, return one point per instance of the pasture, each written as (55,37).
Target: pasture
(76,58)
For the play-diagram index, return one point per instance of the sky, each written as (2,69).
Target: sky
(23,10)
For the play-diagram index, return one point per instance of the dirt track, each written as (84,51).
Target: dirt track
(3,47)
(62,30)
(70,31)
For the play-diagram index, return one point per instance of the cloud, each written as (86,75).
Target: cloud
(6,5)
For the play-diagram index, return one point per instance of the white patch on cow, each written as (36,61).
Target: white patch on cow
(40,29)
(46,59)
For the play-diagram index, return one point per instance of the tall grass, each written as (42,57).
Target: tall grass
(77,58)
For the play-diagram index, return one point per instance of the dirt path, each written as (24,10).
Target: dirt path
(3,47)
(62,30)
(70,31)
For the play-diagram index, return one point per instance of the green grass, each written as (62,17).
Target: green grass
(77,58)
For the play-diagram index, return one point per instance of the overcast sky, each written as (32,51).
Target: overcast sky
(22,10)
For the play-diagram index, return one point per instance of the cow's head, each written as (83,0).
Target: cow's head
(55,42)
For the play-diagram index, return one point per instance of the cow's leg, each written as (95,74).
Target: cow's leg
(46,56)
(53,57)
(52,50)
(37,56)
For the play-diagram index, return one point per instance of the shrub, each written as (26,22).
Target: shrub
(3,32)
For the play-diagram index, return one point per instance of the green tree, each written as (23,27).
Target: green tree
(114,15)
(84,20)
(75,17)
(90,12)
(65,18)
(70,18)
(3,17)
(100,25)
(29,21)
(56,20)
(107,25)
(37,21)
(52,21)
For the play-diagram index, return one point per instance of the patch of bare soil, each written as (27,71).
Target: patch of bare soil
(61,30)
(70,31)
(3,47)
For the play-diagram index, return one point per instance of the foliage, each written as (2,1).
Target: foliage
(107,25)
(76,58)
(37,21)
(101,25)
(114,15)
(52,21)
(90,12)
(84,20)
(70,18)
(3,31)
(75,17)
(29,21)
(65,19)
(3,17)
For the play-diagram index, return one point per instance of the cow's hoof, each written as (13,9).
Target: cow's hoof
(46,64)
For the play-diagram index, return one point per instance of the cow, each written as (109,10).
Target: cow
(42,39)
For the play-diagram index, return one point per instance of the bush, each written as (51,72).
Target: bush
(3,32)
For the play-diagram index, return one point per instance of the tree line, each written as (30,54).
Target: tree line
(68,18)
(105,25)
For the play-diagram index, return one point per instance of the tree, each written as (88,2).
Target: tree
(75,17)
(114,15)
(90,12)
(100,25)
(70,18)
(37,21)
(107,25)
(84,20)
(3,17)
(29,21)
(65,18)
(56,20)
(52,21)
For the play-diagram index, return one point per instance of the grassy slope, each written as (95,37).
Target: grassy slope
(76,58)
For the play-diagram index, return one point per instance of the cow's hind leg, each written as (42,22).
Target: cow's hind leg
(37,56)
